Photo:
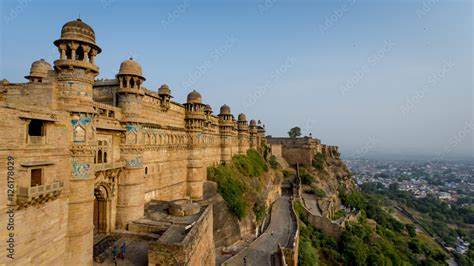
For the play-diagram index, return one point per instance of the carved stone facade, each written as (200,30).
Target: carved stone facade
(90,153)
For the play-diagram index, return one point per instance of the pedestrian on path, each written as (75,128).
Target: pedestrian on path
(115,254)
(123,249)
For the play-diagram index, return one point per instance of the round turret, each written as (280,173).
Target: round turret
(225,110)
(194,97)
(253,123)
(77,30)
(242,117)
(39,69)
(131,67)
(164,90)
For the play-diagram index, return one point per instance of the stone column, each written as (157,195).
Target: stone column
(131,193)
(81,195)
(73,47)
(195,173)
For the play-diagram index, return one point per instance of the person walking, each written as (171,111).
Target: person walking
(123,248)
(115,254)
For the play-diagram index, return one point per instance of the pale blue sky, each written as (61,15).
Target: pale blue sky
(374,77)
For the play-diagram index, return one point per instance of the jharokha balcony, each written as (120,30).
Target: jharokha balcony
(28,196)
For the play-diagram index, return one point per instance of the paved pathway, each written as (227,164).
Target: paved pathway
(259,252)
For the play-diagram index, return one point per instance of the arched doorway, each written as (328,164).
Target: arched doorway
(101,210)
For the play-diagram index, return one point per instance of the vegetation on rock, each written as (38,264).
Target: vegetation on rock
(241,183)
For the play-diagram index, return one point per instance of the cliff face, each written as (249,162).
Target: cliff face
(241,195)
(329,178)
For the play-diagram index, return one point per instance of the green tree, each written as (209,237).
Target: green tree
(294,132)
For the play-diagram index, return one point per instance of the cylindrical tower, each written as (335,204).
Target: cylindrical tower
(226,130)
(253,134)
(131,199)
(130,91)
(243,134)
(195,118)
(76,71)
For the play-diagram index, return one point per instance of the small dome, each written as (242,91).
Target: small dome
(194,97)
(253,122)
(131,67)
(225,110)
(39,69)
(242,117)
(164,90)
(208,108)
(77,30)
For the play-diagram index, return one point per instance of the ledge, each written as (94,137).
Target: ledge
(28,196)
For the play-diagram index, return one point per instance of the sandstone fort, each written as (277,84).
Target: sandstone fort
(89,156)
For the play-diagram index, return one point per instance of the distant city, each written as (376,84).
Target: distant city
(449,181)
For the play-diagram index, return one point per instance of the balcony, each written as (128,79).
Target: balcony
(28,196)
(108,166)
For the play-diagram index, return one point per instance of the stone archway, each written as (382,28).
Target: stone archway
(102,210)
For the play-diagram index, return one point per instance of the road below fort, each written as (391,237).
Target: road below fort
(279,231)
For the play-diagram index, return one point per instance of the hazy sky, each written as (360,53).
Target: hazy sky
(374,77)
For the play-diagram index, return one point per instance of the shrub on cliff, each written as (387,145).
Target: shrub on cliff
(251,164)
(319,161)
(230,187)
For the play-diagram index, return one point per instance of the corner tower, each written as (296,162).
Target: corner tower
(75,73)
(75,68)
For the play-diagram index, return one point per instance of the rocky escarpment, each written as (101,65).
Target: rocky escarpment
(241,193)
(327,178)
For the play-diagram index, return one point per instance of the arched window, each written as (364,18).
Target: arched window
(124,83)
(105,157)
(80,53)
(68,53)
(132,83)
(99,156)
(146,170)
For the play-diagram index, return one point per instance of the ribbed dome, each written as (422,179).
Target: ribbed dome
(39,69)
(225,110)
(77,30)
(242,117)
(194,97)
(164,90)
(131,67)
(253,122)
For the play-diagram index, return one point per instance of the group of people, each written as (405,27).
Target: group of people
(116,253)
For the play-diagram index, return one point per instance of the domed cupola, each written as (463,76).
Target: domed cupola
(194,97)
(130,75)
(195,111)
(165,96)
(242,122)
(38,71)
(77,46)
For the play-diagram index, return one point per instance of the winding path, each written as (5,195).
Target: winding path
(279,231)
